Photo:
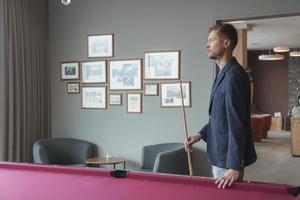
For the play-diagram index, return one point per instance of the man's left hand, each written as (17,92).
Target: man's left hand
(228,179)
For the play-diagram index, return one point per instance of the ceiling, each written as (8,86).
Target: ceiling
(267,33)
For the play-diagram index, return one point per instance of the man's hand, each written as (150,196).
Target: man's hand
(229,178)
(190,141)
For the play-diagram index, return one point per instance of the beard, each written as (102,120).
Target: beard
(212,57)
(216,55)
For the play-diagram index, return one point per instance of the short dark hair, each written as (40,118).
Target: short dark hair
(228,31)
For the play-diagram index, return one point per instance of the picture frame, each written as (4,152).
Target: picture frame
(125,74)
(93,97)
(162,65)
(101,45)
(171,94)
(134,103)
(151,89)
(70,70)
(73,87)
(115,99)
(93,71)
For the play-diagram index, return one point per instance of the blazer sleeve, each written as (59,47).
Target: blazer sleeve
(203,132)
(235,102)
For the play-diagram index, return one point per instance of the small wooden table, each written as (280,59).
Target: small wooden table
(105,161)
(276,124)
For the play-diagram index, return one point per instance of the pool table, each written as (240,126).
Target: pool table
(41,182)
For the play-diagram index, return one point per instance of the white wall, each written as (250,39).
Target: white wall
(141,25)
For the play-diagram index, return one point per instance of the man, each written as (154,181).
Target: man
(230,146)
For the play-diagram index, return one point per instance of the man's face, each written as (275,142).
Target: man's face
(215,45)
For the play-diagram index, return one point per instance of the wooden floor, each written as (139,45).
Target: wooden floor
(275,163)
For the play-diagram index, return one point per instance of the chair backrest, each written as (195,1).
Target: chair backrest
(150,152)
(63,151)
(174,161)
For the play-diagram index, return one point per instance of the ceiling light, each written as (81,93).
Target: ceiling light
(295,54)
(281,49)
(234,22)
(66,2)
(271,57)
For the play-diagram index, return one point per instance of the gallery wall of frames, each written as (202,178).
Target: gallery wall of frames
(103,80)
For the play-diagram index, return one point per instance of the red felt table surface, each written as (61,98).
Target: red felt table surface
(38,182)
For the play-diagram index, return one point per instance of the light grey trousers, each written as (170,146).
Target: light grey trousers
(219,172)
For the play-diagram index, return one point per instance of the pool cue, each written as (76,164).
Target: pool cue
(185,129)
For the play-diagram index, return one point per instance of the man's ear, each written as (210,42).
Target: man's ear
(227,43)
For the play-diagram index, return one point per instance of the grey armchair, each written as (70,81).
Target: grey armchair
(63,151)
(165,158)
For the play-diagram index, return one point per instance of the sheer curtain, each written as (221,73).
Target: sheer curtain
(25,75)
(2,79)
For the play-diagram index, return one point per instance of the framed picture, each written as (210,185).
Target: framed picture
(69,70)
(171,94)
(101,46)
(93,97)
(151,89)
(115,99)
(93,71)
(125,74)
(73,88)
(162,65)
(134,102)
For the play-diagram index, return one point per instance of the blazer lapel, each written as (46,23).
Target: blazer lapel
(219,80)
(217,83)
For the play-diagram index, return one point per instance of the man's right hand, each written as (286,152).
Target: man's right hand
(190,141)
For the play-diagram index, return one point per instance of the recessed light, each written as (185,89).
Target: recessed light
(66,2)
(235,22)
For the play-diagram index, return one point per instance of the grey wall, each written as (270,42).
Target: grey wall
(141,25)
(2,79)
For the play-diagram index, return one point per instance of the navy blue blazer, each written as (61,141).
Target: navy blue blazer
(228,132)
